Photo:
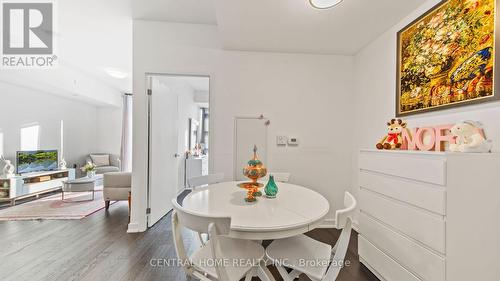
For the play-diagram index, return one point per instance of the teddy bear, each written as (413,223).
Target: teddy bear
(468,138)
(393,139)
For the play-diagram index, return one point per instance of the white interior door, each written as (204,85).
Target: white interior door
(249,132)
(164,157)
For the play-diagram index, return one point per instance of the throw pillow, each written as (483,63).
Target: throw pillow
(100,159)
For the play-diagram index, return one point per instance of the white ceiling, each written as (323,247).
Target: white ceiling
(284,25)
(91,36)
(294,26)
(93,40)
(184,11)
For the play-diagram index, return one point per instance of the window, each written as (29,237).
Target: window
(30,137)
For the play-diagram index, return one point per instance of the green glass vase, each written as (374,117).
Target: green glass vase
(271,188)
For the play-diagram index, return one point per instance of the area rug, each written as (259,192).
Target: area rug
(53,208)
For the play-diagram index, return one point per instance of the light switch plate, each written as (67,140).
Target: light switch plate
(281,140)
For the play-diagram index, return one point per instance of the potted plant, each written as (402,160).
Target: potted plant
(89,168)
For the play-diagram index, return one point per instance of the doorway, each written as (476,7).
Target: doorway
(179,119)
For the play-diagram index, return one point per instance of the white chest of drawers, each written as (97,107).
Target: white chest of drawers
(430,216)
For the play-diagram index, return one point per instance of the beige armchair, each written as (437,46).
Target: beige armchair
(114,163)
(116,187)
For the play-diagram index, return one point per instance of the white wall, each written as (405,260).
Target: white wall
(307,96)
(375,69)
(109,130)
(78,90)
(187,108)
(23,106)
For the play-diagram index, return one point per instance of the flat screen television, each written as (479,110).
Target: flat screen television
(36,161)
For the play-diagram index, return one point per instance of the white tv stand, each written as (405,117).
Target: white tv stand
(32,184)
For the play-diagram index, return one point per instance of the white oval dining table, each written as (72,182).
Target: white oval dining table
(295,210)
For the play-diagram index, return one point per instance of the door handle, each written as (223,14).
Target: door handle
(177,155)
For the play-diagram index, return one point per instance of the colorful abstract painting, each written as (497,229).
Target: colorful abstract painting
(447,57)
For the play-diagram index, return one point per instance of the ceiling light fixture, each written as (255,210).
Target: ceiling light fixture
(324,4)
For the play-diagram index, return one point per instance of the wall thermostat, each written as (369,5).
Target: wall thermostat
(293,141)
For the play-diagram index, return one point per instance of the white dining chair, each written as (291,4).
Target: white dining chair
(205,180)
(199,181)
(218,259)
(279,177)
(304,255)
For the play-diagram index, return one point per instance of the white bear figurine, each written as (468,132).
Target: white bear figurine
(468,138)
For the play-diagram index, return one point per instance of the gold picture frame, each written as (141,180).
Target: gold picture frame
(446,58)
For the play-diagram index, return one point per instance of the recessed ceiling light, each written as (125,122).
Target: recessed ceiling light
(324,4)
(116,73)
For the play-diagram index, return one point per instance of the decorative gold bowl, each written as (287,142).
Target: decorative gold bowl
(254,170)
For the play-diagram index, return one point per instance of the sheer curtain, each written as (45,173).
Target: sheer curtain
(126,149)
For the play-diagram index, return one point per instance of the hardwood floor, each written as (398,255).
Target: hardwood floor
(98,248)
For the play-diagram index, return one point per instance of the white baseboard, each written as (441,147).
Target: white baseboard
(327,223)
(134,228)
(355,226)
(330,223)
